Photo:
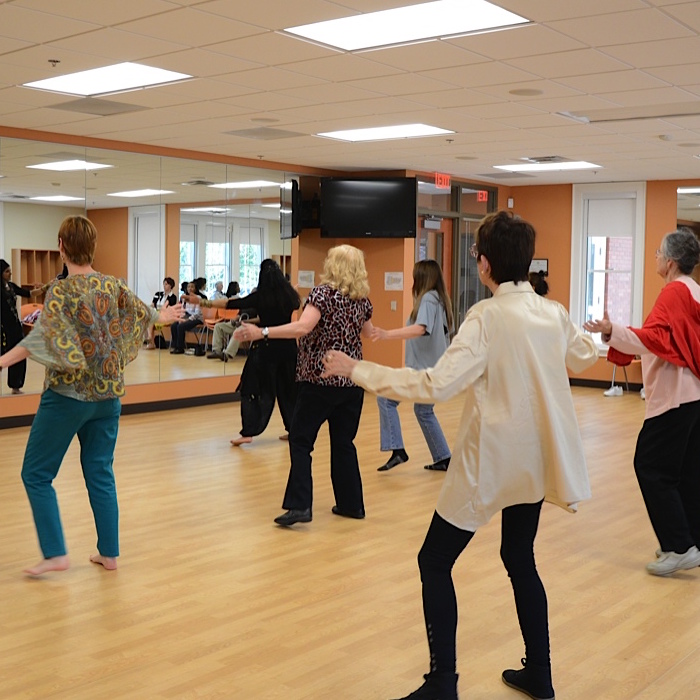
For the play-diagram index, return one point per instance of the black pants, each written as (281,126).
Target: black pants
(18,372)
(667,464)
(178,331)
(443,545)
(341,407)
(274,366)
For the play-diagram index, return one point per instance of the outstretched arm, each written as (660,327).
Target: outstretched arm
(12,357)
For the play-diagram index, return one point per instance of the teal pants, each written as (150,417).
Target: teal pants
(58,420)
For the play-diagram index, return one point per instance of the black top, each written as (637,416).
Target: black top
(269,315)
(158,298)
(9,318)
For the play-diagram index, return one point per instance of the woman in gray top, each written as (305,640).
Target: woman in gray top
(427,333)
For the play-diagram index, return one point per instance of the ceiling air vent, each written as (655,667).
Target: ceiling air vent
(197,182)
(540,160)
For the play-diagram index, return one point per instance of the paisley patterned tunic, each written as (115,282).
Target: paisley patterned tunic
(91,327)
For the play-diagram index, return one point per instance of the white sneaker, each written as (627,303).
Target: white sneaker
(643,394)
(613,391)
(669,562)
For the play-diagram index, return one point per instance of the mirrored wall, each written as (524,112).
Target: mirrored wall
(157,217)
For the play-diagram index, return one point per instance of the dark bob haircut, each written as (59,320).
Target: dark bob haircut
(508,242)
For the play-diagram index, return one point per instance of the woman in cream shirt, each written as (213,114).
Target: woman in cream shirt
(518,444)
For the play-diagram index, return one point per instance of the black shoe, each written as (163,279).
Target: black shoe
(177,351)
(215,356)
(437,686)
(439,466)
(533,680)
(397,457)
(357,514)
(294,516)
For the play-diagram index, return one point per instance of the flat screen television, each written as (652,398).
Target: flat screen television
(290,210)
(369,208)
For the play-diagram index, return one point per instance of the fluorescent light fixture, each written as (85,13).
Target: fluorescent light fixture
(542,167)
(404,25)
(244,185)
(69,165)
(139,193)
(272,206)
(57,198)
(386,133)
(121,77)
(208,210)
(688,190)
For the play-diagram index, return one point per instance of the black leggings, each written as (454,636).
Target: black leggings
(443,545)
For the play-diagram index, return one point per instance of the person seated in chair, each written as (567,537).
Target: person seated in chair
(193,318)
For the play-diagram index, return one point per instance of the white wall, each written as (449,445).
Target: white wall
(32,226)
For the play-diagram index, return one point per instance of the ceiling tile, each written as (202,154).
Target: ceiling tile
(606,30)
(190,27)
(568,63)
(342,67)
(616,81)
(528,40)
(101,13)
(36,26)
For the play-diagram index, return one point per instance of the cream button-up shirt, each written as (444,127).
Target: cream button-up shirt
(518,438)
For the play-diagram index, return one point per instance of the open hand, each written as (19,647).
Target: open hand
(338,364)
(170,314)
(603,326)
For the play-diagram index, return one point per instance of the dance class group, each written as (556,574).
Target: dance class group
(515,348)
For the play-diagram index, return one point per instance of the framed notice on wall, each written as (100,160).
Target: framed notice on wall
(539,265)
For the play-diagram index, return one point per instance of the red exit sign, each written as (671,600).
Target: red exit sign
(482,196)
(442,181)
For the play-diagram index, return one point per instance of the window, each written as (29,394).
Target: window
(216,265)
(187,248)
(249,264)
(607,253)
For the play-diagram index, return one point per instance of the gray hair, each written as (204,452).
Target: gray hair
(683,248)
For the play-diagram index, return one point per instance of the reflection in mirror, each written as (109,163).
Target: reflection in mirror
(156,217)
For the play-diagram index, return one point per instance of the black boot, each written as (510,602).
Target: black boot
(534,680)
(437,686)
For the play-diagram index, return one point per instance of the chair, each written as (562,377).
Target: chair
(201,333)
(29,312)
(619,360)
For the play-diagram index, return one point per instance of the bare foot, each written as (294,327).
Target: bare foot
(51,564)
(17,391)
(150,346)
(109,563)
(241,440)
(284,437)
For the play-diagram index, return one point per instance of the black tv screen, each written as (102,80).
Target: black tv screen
(369,208)
(290,210)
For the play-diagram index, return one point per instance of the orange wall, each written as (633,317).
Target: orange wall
(112,252)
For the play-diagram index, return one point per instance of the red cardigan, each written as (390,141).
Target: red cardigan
(671,331)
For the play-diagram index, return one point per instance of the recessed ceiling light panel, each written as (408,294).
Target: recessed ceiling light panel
(244,185)
(548,167)
(405,25)
(70,165)
(139,193)
(121,77)
(386,133)
(57,198)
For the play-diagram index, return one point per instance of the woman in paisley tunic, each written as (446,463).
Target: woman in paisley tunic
(91,327)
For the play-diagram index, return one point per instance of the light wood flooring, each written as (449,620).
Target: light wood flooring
(213,601)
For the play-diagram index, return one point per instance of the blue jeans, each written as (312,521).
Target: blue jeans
(57,421)
(390,428)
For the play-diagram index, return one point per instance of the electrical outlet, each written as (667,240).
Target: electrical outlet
(393,306)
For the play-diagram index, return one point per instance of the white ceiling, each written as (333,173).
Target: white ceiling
(592,58)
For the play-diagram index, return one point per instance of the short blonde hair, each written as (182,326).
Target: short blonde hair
(344,269)
(79,238)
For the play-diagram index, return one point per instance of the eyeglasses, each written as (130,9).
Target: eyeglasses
(473,251)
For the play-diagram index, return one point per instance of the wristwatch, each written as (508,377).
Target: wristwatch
(265,332)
